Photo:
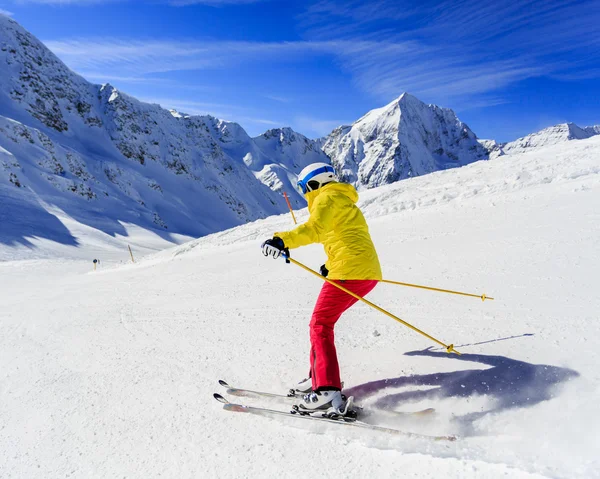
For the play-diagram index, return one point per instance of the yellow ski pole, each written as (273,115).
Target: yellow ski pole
(483,297)
(449,348)
(290,207)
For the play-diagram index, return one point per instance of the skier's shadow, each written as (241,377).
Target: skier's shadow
(508,382)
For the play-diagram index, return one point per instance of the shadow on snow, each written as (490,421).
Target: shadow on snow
(509,383)
(22,219)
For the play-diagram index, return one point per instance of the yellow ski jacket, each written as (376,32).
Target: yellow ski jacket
(337,223)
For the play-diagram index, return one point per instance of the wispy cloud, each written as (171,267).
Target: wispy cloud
(483,102)
(589,74)
(175,3)
(459,50)
(162,56)
(258,121)
(279,99)
(6,12)
(107,77)
(223,111)
(448,52)
(382,68)
(67,2)
(120,81)
(315,126)
(213,3)
(151,56)
(335,18)
(191,107)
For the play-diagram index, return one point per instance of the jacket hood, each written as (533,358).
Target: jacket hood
(333,187)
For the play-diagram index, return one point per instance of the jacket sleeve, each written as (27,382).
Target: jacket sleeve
(320,222)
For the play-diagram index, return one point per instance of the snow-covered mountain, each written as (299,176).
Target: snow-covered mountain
(592,130)
(549,136)
(105,158)
(293,152)
(95,152)
(275,157)
(405,138)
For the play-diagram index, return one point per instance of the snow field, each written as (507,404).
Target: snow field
(111,373)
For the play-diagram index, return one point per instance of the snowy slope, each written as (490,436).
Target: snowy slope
(403,139)
(111,373)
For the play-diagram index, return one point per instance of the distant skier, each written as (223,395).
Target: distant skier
(337,223)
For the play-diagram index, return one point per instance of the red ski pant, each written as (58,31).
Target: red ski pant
(332,302)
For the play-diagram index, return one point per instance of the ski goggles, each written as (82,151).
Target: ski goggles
(303,184)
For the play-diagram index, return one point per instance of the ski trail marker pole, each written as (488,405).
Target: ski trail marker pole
(449,347)
(290,207)
(483,297)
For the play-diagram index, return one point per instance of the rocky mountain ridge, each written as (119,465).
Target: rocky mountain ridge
(546,137)
(403,139)
(94,151)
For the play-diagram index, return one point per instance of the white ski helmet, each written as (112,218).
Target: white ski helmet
(314,176)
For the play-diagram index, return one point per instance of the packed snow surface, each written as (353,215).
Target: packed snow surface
(110,373)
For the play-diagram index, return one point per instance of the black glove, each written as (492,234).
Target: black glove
(324,271)
(274,247)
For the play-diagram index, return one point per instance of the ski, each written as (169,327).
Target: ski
(348,421)
(293,395)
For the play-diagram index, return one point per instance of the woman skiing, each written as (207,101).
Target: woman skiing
(337,223)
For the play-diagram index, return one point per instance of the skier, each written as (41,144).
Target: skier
(337,223)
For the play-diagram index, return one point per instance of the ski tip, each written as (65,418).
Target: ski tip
(242,393)
(235,407)
(220,398)
(223,383)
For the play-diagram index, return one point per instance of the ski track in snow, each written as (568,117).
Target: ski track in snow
(110,373)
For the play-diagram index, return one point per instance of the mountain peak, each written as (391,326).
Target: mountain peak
(400,102)
(6,20)
(404,138)
(284,134)
(401,105)
(407,97)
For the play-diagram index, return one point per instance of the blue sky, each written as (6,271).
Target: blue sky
(507,68)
